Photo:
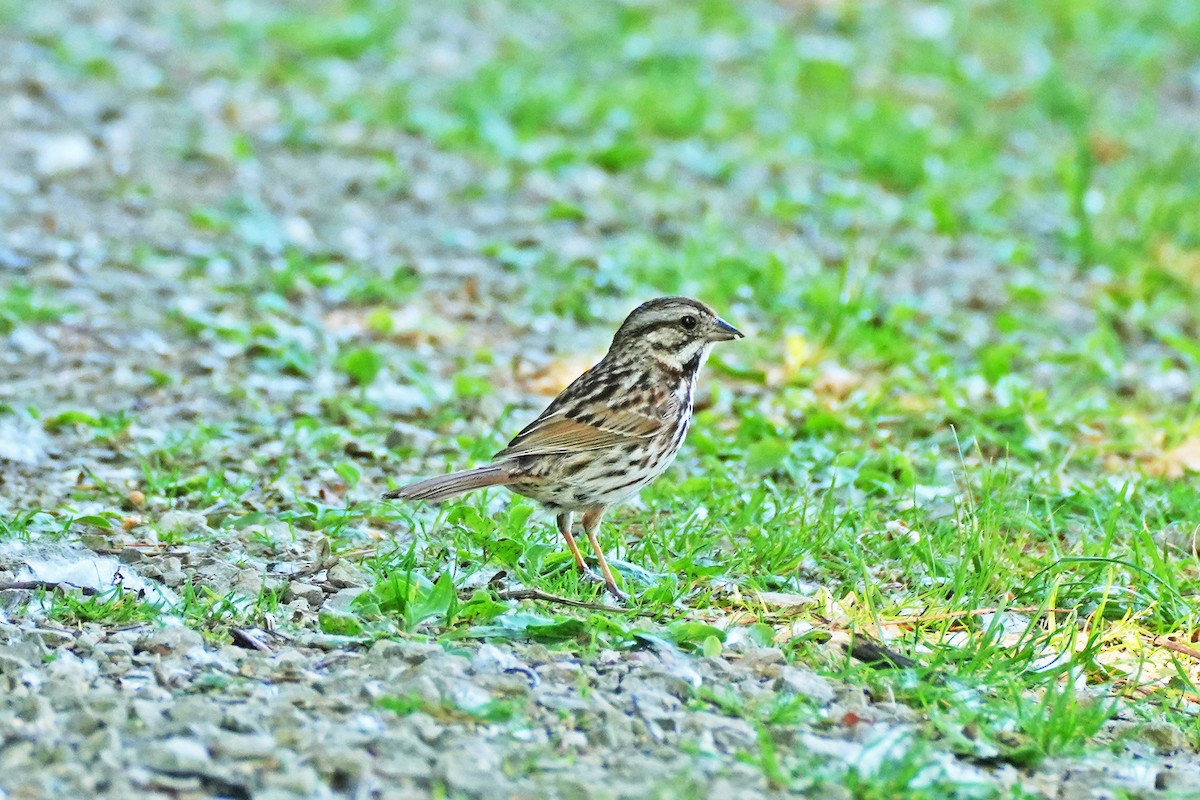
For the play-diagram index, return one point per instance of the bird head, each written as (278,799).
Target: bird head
(677,331)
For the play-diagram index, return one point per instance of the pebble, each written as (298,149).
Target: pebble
(1163,736)
(21,441)
(300,779)
(299,590)
(344,575)
(178,522)
(171,571)
(808,684)
(177,755)
(170,639)
(63,153)
(342,601)
(247,582)
(244,746)
(52,638)
(130,555)
(472,771)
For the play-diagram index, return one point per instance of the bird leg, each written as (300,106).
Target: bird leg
(564,527)
(591,525)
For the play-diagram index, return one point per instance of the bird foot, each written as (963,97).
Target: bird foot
(617,593)
(588,575)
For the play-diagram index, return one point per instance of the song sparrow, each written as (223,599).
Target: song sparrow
(616,428)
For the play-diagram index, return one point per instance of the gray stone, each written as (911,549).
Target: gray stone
(178,522)
(62,154)
(765,662)
(171,639)
(299,779)
(247,582)
(22,440)
(1163,736)
(340,602)
(244,746)
(130,555)
(298,590)
(559,699)
(489,658)
(472,770)
(345,575)
(279,793)
(171,572)
(52,637)
(468,696)
(808,684)
(177,754)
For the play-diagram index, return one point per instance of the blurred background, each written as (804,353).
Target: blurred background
(977,214)
(885,179)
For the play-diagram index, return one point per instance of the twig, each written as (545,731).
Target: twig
(874,654)
(249,639)
(976,612)
(1174,647)
(538,594)
(49,586)
(217,506)
(313,569)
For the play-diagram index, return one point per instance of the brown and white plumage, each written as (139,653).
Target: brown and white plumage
(615,429)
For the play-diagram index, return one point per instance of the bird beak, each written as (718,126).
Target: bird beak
(725,332)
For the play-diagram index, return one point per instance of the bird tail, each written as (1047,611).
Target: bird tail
(443,487)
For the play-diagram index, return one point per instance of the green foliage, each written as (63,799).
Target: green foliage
(412,598)
(363,365)
(22,305)
(496,711)
(115,607)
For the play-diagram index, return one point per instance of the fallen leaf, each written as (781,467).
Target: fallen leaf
(554,377)
(1173,463)
(834,380)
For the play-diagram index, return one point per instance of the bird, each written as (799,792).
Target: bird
(612,431)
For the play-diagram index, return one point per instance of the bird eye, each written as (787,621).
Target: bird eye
(688,322)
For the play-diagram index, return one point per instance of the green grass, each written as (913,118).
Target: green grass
(964,241)
(22,305)
(113,607)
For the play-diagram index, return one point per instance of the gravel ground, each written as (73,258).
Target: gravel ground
(96,172)
(150,711)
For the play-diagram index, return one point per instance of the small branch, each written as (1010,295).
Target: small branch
(217,506)
(250,639)
(538,594)
(312,569)
(873,653)
(1174,647)
(49,586)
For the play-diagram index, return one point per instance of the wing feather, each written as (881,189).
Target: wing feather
(555,433)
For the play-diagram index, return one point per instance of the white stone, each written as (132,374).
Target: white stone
(63,154)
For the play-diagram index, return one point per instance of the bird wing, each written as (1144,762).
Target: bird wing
(556,433)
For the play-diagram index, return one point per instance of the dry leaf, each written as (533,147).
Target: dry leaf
(835,380)
(1184,457)
(554,377)
(1107,149)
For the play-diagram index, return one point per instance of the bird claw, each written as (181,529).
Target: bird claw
(588,575)
(617,593)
